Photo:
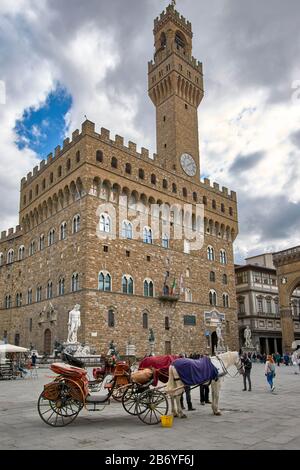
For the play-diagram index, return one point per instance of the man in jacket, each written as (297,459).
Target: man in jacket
(247,372)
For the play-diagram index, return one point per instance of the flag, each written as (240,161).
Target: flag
(173,287)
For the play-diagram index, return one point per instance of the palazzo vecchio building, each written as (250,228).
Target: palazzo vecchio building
(57,257)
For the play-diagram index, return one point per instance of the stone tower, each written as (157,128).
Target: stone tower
(176,88)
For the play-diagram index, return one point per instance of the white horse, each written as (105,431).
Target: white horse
(175,386)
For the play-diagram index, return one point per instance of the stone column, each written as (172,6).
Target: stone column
(275,345)
(287,327)
(267,346)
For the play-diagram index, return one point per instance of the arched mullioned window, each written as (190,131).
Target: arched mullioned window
(147,235)
(127,230)
(8,303)
(49,290)
(225,300)
(165,241)
(114,162)
(29,296)
(99,156)
(145,320)
(104,281)
(19,300)
(51,237)
(213,297)
(61,286)
(63,231)
(32,248)
(223,257)
(76,223)
(75,282)
(148,288)
(39,293)
(111,318)
(21,253)
(153,179)
(105,223)
(210,253)
(10,256)
(127,284)
(42,242)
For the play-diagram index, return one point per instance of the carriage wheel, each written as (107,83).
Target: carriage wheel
(151,405)
(118,392)
(129,400)
(58,413)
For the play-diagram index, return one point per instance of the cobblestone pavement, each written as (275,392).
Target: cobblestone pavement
(250,420)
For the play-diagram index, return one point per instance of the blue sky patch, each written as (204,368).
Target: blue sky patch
(43,129)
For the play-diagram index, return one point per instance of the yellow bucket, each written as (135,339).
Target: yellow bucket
(167,421)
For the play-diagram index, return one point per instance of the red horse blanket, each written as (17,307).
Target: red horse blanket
(160,366)
(195,371)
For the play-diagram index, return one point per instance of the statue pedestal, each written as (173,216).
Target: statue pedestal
(220,349)
(248,349)
(71,348)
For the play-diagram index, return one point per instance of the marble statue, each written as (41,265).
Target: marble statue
(221,344)
(247,336)
(73,324)
(112,349)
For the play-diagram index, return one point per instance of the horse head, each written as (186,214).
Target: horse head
(238,363)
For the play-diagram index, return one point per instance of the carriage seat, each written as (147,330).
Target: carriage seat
(122,368)
(97,398)
(67,370)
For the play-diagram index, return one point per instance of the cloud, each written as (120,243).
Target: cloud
(295,138)
(246,162)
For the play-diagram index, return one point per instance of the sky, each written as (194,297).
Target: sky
(61,60)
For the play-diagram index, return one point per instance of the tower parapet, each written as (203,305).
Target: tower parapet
(172,13)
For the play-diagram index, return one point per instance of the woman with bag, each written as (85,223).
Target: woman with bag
(270,371)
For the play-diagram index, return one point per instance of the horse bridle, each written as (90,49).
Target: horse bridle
(225,370)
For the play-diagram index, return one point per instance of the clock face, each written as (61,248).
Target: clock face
(188,164)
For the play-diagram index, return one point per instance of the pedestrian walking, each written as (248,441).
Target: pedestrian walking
(187,390)
(270,371)
(278,358)
(33,359)
(246,361)
(204,394)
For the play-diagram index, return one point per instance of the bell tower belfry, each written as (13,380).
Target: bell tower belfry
(175,86)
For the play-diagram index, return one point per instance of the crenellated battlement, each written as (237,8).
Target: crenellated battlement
(87,128)
(171,13)
(164,54)
(215,187)
(11,233)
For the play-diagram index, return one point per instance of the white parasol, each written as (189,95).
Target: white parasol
(11,348)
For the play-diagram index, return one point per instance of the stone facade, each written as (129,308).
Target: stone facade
(72,187)
(259,306)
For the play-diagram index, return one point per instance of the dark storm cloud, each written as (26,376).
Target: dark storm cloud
(246,162)
(295,138)
(270,219)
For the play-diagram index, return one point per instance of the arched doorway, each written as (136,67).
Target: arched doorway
(47,342)
(287,263)
(214,343)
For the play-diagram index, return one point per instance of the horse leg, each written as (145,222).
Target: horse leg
(179,409)
(174,412)
(215,388)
